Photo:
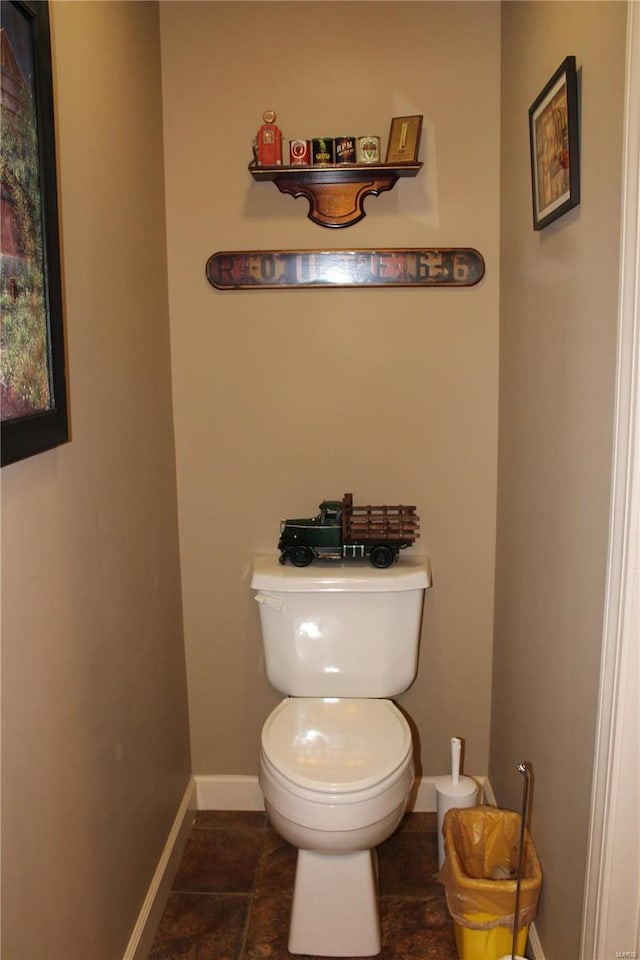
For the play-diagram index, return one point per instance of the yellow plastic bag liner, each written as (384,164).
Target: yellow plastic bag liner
(479,872)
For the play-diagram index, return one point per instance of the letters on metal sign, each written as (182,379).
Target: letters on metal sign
(279,269)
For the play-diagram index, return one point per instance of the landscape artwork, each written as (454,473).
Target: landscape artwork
(33,391)
(24,367)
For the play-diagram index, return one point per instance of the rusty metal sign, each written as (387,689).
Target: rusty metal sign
(399,267)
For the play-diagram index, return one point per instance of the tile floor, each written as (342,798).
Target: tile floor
(231,896)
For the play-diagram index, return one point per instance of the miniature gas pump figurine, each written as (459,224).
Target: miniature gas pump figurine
(269,142)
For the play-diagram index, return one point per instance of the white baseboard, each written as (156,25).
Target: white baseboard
(488,794)
(226,792)
(244,793)
(154,903)
(535,946)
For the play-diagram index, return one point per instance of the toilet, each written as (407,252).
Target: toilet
(336,765)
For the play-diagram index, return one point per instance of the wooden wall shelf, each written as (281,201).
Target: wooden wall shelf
(336,194)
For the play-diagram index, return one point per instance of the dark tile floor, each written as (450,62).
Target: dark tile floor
(231,897)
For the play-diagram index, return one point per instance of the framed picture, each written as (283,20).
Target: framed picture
(33,401)
(553,138)
(404,140)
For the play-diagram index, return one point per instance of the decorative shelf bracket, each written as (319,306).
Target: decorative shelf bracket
(336,195)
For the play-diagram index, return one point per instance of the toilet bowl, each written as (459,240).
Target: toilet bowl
(336,774)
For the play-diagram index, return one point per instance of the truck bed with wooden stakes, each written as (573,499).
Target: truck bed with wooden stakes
(342,530)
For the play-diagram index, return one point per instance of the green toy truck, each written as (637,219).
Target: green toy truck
(341,530)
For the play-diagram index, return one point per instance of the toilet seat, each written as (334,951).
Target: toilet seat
(335,765)
(340,750)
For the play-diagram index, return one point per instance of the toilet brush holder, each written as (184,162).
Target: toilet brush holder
(453,791)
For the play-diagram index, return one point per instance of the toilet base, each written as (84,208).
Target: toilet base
(336,909)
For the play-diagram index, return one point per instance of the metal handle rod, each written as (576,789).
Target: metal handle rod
(525,770)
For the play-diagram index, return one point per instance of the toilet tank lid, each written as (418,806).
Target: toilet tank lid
(340,576)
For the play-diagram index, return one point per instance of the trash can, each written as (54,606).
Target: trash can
(482,846)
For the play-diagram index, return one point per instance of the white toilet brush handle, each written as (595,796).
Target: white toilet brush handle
(456,750)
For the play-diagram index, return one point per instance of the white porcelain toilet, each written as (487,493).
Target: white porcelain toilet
(336,765)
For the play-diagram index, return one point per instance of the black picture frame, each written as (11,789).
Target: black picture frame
(554,146)
(44,425)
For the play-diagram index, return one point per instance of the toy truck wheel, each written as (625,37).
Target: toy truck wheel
(381,556)
(301,556)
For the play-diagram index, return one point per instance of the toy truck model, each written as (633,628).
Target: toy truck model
(341,530)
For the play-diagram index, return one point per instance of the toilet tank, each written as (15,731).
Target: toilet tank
(341,628)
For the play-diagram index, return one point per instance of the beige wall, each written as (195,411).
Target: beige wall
(95,744)
(284,398)
(557,365)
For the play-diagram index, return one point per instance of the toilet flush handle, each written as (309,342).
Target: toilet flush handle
(274,602)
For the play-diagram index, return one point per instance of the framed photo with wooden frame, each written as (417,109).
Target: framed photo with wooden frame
(554,146)
(33,394)
(404,140)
